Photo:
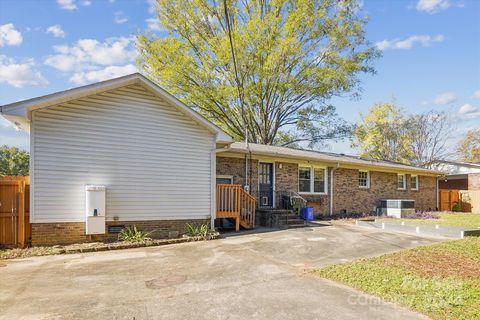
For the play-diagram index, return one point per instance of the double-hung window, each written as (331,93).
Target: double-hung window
(312,180)
(401,182)
(413,182)
(363,179)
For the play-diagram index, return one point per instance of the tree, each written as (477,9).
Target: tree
(469,148)
(382,133)
(429,134)
(387,132)
(261,69)
(13,161)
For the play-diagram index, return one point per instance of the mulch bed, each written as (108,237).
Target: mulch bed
(96,247)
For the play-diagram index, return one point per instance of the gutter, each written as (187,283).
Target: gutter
(331,188)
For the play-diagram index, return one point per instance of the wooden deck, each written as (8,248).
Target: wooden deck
(234,202)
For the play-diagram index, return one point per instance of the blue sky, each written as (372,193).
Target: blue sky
(431,54)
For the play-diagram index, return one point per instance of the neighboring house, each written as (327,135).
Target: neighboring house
(458,175)
(160,161)
(460,185)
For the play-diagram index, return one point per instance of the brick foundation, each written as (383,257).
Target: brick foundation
(74,232)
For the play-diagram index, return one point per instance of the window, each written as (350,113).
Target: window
(224,179)
(311,180)
(363,179)
(304,179)
(414,182)
(319,182)
(401,181)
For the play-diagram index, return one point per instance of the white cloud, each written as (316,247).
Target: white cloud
(120,17)
(9,36)
(432,6)
(154,25)
(469,112)
(408,43)
(467,108)
(152,6)
(72,4)
(20,75)
(67,4)
(81,78)
(476,94)
(445,98)
(56,31)
(89,54)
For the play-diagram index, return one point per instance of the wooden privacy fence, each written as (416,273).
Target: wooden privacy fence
(15,229)
(468,200)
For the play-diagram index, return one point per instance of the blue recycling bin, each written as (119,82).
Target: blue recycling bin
(307,214)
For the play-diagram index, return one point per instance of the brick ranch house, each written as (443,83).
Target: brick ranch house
(161,165)
(330,183)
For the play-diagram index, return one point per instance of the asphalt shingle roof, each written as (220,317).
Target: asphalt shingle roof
(268,150)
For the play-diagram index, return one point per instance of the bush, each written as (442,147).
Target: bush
(194,230)
(423,215)
(132,234)
(457,207)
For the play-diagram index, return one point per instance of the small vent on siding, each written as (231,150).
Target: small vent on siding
(116,228)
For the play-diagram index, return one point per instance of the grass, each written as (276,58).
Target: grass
(440,280)
(467,220)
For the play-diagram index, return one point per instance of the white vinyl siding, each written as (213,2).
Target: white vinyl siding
(154,160)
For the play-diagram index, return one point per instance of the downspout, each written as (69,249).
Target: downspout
(436,192)
(247,181)
(331,188)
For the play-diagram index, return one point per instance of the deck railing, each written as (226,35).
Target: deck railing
(234,202)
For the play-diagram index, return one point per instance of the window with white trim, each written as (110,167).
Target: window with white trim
(401,182)
(363,179)
(413,182)
(312,180)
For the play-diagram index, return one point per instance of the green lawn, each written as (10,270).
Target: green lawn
(440,280)
(467,220)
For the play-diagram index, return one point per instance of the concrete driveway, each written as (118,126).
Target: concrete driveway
(250,276)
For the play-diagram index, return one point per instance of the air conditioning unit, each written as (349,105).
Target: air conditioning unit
(396,207)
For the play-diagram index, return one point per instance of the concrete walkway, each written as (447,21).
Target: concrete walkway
(250,276)
(433,230)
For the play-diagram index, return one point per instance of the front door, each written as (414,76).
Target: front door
(265,185)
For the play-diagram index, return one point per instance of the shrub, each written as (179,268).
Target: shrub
(423,215)
(133,234)
(457,207)
(194,230)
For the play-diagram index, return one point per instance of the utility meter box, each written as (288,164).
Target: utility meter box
(95,209)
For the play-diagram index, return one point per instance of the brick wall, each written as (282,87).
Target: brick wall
(348,196)
(286,177)
(74,232)
(236,167)
(474,181)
